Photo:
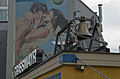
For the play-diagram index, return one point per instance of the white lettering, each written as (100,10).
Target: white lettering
(34,56)
(27,62)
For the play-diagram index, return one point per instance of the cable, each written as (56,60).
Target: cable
(92,68)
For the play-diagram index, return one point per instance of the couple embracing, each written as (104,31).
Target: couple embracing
(35,28)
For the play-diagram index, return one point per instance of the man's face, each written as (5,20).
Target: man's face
(38,15)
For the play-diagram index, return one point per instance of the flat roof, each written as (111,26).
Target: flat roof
(94,59)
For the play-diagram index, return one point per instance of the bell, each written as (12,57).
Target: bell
(82,31)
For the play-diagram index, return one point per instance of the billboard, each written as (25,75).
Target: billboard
(37,23)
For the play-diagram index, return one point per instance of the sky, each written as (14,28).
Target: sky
(111,18)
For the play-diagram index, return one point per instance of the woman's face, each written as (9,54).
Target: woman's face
(49,16)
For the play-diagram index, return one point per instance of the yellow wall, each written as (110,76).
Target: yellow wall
(69,72)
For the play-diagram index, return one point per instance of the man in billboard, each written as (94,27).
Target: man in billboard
(24,25)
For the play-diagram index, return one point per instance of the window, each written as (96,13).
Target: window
(55,76)
(3,10)
(3,15)
(3,2)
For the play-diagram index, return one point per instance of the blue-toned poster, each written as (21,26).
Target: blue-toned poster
(37,23)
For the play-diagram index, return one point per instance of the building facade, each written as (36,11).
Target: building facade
(20,41)
(3,48)
(64,66)
(3,37)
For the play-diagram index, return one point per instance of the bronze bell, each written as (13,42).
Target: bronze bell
(82,31)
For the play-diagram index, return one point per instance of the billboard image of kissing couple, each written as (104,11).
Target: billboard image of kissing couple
(37,23)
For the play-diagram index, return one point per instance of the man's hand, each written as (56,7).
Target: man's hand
(28,17)
(38,19)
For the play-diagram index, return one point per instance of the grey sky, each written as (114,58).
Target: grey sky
(111,18)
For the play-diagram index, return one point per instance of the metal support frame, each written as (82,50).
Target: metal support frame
(68,28)
(91,41)
(66,42)
(57,37)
